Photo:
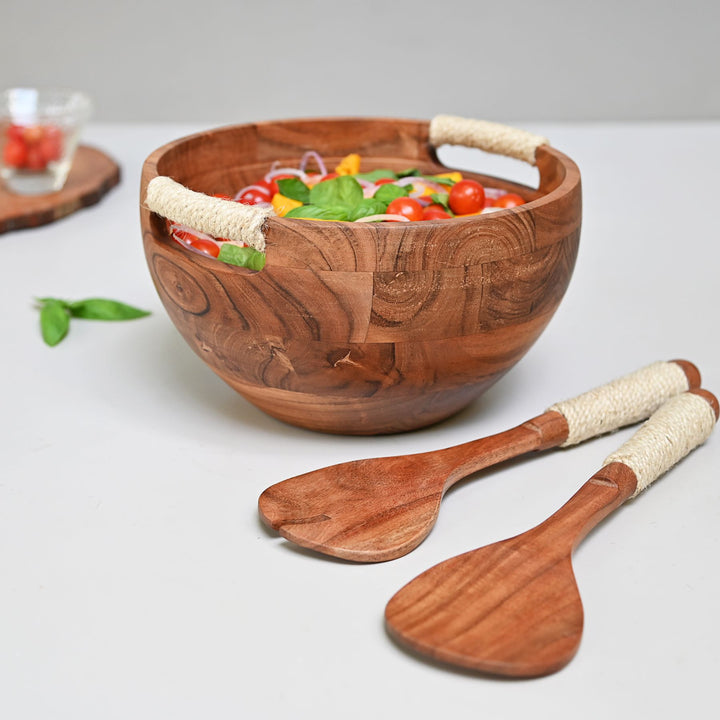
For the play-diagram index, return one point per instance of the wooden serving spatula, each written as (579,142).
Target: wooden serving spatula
(513,607)
(382,508)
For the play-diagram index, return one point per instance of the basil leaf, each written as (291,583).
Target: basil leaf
(63,303)
(317,212)
(54,321)
(242,256)
(412,172)
(366,207)
(102,309)
(441,199)
(440,180)
(388,192)
(295,189)
(374,175)
(340,192)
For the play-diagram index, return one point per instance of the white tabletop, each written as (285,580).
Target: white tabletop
(136,580)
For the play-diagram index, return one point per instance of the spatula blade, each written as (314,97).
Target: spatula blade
(503,609)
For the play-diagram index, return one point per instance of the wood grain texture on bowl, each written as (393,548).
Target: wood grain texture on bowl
(356,327)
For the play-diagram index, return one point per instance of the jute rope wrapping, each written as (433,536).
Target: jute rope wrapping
(488,136)
(677,427)
(214,216)
(624,401)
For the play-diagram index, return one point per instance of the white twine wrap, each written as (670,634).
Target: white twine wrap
(624,401)
(214,216)
(676,428)
(488,136)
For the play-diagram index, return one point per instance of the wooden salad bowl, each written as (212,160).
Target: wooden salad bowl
(364,328)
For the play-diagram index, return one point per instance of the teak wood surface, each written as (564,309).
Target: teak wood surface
(364,328)
(92,175)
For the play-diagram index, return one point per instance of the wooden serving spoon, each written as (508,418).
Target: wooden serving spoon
(382,508)
(513,607)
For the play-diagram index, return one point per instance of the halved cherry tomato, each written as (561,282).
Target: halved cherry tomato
(435,212)
(466,197)
(508,200)
(253,197)
(406,206)
(384,181)
(188,239)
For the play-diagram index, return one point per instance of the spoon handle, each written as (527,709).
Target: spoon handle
(621,402)
(675,429)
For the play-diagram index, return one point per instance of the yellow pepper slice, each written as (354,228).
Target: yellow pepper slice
(454,176)
(349,165)
(283,205)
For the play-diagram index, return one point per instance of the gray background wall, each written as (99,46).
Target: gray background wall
(560,60)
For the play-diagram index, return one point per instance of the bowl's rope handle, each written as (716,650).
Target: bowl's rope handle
(214,216)
(245,223)
(491,137)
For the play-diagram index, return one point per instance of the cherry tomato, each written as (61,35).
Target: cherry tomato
(466,197)
(33,134)
(35,159)
(187,239)
(265,184)
(435,212)
(15,132)
(15,153)
(508,201)
(253,197)
(384,181)
(406,206)
(50,149)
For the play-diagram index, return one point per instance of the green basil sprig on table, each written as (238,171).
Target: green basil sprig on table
(55,314)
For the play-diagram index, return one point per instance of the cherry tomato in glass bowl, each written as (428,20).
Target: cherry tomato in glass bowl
(15,153)
(466,197)
(406,206)
(508,200)
(435,212)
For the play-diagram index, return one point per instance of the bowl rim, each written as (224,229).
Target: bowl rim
(559,176)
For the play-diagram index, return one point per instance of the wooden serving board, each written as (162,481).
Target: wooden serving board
(93,175)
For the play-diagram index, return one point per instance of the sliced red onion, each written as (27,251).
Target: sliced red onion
(311,154)
(192,231)
(285,171)
(494,193)
(382,217)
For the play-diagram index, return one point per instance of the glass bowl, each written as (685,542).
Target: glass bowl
(39,132)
